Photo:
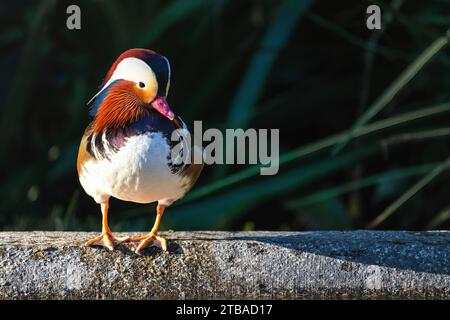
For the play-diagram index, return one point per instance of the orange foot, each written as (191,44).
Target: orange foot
(151,239)
(106,239)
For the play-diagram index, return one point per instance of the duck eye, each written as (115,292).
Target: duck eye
(141,84)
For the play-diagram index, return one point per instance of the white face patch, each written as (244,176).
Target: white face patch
(132,69)
(168,79)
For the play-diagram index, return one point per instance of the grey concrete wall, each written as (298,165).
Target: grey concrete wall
(248,265)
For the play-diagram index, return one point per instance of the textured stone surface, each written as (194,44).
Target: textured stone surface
(253,265)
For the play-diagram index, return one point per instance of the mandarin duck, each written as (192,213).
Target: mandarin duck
(125,151)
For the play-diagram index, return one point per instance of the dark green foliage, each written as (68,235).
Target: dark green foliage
(363,115)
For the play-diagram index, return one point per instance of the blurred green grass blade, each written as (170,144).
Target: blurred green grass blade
(437,170)
(275,38)
(225,206)
(329,215)
(218,78)
(330,193)
(401,81)
(116,19)
(14,108)
(168,16)
(369,56)
(65,163)
(415,136)
(71,210)
(206,22)
(351,38)
(11,35)
(434,19)
(442,217)
(411,23)
(315,147)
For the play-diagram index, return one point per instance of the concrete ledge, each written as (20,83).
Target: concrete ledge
(242,265)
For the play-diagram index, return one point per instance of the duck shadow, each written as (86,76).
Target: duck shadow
(416,251)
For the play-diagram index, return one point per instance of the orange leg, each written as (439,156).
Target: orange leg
(152,238)
(106,239)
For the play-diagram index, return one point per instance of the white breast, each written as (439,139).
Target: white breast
(137,172)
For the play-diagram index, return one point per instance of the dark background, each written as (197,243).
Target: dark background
(310,68)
